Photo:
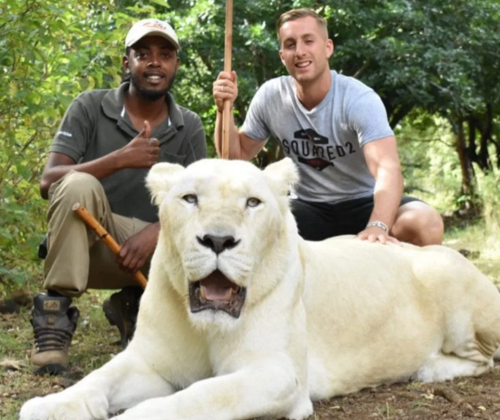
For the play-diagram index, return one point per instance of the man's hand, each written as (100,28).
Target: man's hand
(225,87)
(138,248)
(141,152)
(376,234)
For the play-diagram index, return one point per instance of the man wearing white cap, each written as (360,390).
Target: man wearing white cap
(105,145)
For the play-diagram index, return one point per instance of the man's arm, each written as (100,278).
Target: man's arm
(240,145)
(383,161)
(141,152)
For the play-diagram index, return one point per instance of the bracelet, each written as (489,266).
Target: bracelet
(378,224)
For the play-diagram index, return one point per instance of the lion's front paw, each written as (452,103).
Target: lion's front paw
(69,404)
(152,409)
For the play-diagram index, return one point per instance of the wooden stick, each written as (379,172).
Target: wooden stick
(103,234)
(226,113)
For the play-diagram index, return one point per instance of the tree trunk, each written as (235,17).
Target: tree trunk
(468,177)
(471,148)
(497,149)
(486,135)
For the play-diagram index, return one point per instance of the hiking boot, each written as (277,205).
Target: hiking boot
(121,310)
(54,323)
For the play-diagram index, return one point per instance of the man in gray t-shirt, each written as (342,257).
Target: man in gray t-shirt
(325,141)
(335,128)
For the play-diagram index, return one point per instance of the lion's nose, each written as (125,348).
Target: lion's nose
(218,244)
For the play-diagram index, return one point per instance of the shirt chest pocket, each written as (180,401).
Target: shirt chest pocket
(171,158)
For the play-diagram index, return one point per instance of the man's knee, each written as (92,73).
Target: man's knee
(419,224)
(76,185)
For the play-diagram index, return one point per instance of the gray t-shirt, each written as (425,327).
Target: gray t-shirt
(325,142)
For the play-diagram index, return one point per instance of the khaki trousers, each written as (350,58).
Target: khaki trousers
(77,260)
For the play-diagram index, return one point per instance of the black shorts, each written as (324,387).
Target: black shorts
(318,221)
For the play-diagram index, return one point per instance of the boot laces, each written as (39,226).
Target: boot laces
(51,339)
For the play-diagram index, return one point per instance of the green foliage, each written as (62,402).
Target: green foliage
(49,52)
(420,53)
(489,187)
(430,167)
(432,171)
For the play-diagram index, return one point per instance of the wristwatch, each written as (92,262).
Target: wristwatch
(379,224)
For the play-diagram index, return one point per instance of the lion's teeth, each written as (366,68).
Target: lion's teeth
(202,292)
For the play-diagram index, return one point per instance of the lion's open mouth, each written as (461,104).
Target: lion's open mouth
(216,292)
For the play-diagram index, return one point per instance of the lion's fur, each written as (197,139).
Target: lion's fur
(320,318)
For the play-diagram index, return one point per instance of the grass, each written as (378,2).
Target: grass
(483,242)
(93,341)
(387,412)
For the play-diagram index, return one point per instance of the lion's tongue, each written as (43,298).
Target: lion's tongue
(217,287)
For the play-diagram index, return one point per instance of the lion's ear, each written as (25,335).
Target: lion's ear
(282,175)
(160,179)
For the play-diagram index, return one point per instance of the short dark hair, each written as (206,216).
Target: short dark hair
(295,14)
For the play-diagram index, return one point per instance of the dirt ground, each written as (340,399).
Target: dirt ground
(463,398)
(95,343)
(468,398)
(459,399)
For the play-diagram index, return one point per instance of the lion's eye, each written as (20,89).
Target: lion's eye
(253,202)
(190,198)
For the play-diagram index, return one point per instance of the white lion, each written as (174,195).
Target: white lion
(243,319)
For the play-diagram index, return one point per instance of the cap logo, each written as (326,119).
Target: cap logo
(151,27)
(155,25)
(51,305)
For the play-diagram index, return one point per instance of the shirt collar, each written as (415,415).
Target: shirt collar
(112,105)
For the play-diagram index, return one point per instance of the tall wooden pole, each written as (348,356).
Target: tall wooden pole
(228,44)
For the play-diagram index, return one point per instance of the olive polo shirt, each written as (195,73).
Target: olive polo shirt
(96,124)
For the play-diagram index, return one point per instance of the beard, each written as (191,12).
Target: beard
(148,94)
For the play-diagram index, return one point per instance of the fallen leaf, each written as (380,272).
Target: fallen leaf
(10,364)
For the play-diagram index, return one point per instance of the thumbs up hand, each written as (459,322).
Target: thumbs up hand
(142,152)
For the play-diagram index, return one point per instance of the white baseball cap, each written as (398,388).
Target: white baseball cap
(148,27)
